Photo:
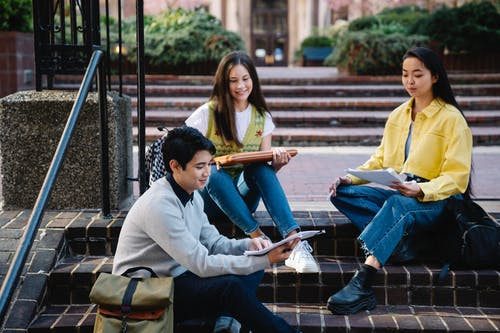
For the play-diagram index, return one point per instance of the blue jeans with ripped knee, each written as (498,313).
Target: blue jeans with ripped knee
(238,198)
(385,216)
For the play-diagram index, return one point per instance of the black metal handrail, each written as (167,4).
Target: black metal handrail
(141,96)
(22,251)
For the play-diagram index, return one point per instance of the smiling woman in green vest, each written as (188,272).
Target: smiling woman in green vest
(236,119)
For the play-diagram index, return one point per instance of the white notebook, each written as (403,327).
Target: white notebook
(301,235)
(381,176)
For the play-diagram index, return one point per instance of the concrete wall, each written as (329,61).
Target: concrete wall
(31,124)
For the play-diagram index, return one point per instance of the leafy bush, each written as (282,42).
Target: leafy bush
(406,16)
(372,52)
(316,40)
(194,40)
(473,27)
(390,20)
(15,15)
(363,23)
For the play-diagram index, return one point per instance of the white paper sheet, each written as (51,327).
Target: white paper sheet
(302,235)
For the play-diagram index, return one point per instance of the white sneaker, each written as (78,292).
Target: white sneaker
(302,260)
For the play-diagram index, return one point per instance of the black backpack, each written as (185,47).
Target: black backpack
(470,238)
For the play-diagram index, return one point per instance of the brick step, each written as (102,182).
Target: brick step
(410,284)
(173,118)
(320,103)
(321,136)
(302,90)
(310,318)
(100,236)
(305,79)
(71,279)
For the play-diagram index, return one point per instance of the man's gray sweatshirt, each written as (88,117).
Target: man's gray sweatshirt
(161,233)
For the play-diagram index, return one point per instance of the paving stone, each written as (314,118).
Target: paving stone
(20,315)
(33,287)
(8,244)
(43,323)
(52,239)
(10,233)
(43,261)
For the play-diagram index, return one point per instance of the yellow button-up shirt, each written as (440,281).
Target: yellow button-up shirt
(440,149)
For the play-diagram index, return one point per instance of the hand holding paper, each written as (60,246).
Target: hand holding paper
(301,235)
(381,176)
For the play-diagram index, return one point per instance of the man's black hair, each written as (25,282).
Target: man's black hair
(182,143)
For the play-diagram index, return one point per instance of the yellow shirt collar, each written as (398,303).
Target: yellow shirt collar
(431,109)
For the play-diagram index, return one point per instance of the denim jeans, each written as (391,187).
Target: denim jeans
(238,198)
(197,297)
(385,216)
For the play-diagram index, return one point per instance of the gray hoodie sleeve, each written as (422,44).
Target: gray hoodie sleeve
(187,237)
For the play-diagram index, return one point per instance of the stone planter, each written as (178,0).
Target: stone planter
(17,62)
(314,56)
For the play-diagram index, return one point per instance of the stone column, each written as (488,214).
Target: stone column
(31,124)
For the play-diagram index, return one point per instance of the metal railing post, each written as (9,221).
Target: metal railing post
(23,249)
(141,104)
(101,87)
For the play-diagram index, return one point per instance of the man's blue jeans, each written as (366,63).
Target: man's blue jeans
(238,198)
(385,216)
(196,297)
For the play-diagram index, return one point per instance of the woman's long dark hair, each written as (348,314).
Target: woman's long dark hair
(441,88)
(224,105)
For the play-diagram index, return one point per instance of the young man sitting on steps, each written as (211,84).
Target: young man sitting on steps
(167,230)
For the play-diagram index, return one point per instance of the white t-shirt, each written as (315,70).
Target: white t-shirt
(199,120)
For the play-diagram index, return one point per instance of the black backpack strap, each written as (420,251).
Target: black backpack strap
(126,307)
(138,268)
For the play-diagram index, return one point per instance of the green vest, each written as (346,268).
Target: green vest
(251,141)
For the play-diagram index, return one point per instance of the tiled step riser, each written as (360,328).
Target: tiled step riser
(314,139)
(394,285)
(367,140)
(309,318)
(174,119)
(312,91)
(101,237)
(492,78)
(306,105)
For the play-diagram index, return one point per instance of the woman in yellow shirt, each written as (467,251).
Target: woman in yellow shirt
(428,139)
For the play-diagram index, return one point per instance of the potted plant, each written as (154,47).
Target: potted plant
(314,50)
(16,46)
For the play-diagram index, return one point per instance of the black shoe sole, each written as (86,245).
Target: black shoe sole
(368,303)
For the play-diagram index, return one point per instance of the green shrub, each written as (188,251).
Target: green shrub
(390,20)
(316,40)
(372,52)
(363,23)
(191,39)
(406,16)
(473,27)
(15,15)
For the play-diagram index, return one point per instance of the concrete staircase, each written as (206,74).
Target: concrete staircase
(409,298)
(338,110)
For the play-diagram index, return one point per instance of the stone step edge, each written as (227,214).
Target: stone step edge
(204,79)
(315,318)
(392,275)
(293,116)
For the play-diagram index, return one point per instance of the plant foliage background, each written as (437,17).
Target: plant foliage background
(180,40)
(15,15)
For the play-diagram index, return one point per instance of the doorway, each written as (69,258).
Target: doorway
(269,32)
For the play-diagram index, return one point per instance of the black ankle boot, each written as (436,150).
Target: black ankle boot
(357,295)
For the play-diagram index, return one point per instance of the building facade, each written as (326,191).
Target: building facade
(272,30)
